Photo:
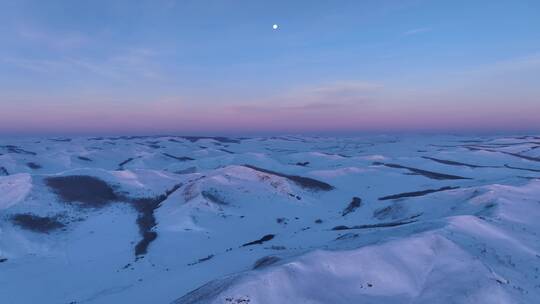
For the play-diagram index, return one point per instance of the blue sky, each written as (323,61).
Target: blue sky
(218,66)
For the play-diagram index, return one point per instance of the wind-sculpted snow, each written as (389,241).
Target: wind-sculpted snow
(288,219)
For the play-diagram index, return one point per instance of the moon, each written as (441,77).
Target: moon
(275,26)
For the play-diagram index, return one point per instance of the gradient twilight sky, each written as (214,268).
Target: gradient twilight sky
(218,67)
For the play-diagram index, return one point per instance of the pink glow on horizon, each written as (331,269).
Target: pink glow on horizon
(172,118)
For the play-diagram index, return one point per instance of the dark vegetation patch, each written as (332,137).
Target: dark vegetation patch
(282,220)
(3,171)
(276,247)
(353,205)
(378,225)
(2,260)
(501,145)
(180,158)
(304,182)
(526,137)
(318,221)
(17,150)
(121,165)
(530,158)
(60,139)
(214,197)
(487,210)
(187,170)
(295,196)
(85,191)
(129,137)
(368,226)
(92,192)
(146,221)
(153,146)
(208,292)
(334,154)
(226,151)
(523,169)
(347,236)
(415,193)
(33,165)
(207,258)
(455,163)
(265,261)
(265,238)
(84,158)
(302,164)
(219,138)
(37,223)
(428,174)
(394,211)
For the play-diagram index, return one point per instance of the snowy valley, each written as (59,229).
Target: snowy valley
(290,219)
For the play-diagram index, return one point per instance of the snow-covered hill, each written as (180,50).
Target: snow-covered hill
(171,219)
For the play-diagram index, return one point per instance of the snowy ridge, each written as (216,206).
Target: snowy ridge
(172,219)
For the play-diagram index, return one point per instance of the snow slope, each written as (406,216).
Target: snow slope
(292,219)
